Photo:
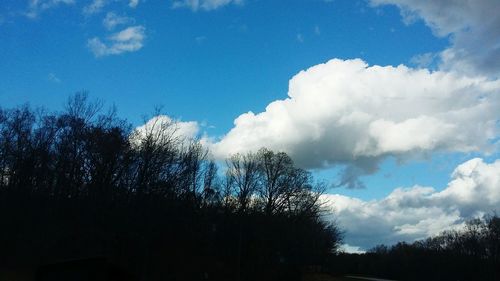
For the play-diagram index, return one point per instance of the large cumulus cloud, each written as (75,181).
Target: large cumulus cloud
(417,212)
(473,27)
(346,112)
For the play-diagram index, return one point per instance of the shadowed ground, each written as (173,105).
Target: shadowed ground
(327,277)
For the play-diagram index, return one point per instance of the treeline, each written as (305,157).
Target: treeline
(469,254)
(84,183)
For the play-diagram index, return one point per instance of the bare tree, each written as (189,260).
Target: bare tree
(244,171)
(277,185)
(210,183)
(156,148)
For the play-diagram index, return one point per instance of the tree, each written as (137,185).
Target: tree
(82,183)
(277,179)
(244,173)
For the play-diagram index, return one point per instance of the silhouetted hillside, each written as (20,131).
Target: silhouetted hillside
(81,189)
(470,254)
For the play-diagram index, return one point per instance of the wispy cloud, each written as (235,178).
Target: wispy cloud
(423,60)
(133,3)
(113,20)
(206,5)
(299,37)
(53,78)
(130,39)
(97,6)
(200,39)
(35,7)
(94,7)
(317,30)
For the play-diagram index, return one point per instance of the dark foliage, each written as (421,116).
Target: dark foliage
(82,185)
(470,254)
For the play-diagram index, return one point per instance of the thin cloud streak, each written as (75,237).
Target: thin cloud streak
(205,5)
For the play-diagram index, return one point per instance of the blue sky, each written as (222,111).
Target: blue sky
(211,61)
(205,66)
(236,58)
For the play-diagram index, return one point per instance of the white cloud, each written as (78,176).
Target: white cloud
(94,7)
(423,60)
(113,20)
(163,126)
(130,39)
(200,39)
(299,37)
(317,30)
(206,5)
(351,249)
(346,112)
(35,7)
(475,187)
(414,213)
(53,78)
(474,26)
(133,3)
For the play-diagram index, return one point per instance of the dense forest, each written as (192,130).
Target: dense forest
(83,189)
(471,253)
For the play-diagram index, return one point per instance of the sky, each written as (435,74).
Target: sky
(394,103)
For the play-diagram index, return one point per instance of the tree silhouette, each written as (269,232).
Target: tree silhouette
(467,254)
(81,188)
